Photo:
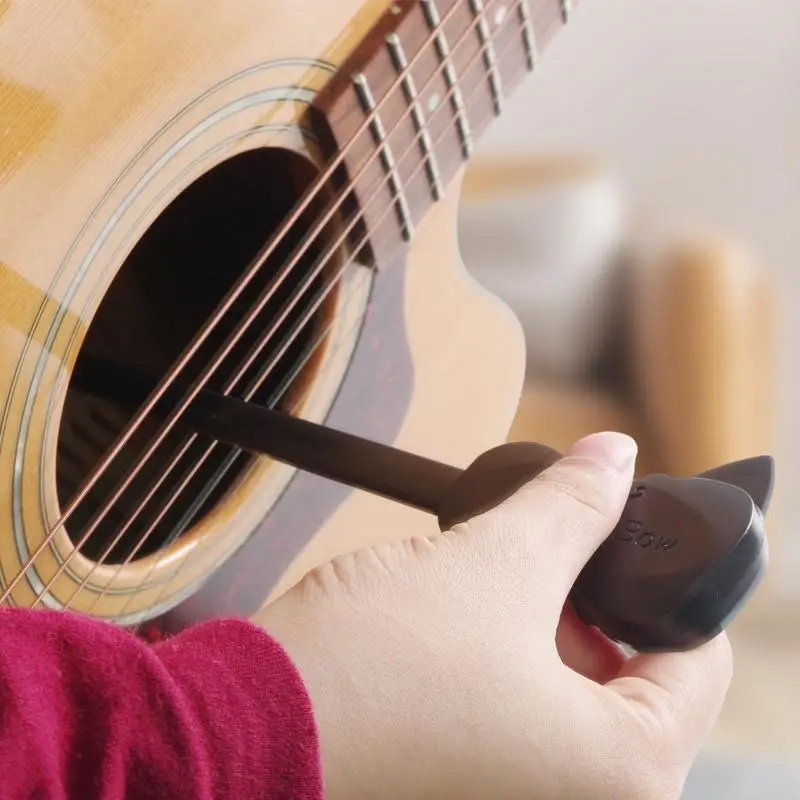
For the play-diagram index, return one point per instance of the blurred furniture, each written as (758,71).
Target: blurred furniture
(691,361)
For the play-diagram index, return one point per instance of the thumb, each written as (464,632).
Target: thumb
(562,516)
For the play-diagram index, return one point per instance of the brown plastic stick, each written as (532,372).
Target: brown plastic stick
(450,493)
(377,468)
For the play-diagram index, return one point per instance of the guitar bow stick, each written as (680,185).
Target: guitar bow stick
(683,559)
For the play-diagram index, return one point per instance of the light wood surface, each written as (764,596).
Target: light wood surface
(704,351)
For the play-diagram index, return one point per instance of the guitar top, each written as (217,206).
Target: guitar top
(259,199)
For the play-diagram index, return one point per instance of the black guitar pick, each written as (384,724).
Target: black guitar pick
(686,555)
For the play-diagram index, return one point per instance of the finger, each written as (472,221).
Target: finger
(560,518)
(586,650)
(678,695)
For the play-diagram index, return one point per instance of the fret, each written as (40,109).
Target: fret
(489,57)
(418,117)
(514,56)
(528,34)
(432,87)
(386,155)
(403,112)
(456,99)
(566,10)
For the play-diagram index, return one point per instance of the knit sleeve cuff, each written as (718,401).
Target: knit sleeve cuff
(252,707)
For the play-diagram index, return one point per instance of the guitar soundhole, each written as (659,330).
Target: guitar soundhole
(169,286)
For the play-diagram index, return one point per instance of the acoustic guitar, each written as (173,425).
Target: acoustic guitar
(256,197)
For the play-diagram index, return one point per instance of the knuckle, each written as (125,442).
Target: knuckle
(502,524)
(343,571)
(335,575)
(390,558)
(362,573)
(422,547)
(379,559)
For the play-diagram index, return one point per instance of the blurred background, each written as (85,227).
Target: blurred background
(637,206)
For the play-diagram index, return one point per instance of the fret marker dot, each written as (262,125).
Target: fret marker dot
(500,16)
(433,102)
(395,9)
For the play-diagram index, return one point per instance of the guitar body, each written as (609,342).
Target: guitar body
(147,150)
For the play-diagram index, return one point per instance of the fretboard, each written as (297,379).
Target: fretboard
(406,110)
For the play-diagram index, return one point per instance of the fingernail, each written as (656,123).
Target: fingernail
(614,449)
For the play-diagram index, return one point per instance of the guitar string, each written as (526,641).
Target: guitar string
(253,268)
(196,553)
(256,350)
(175,533)
(477,55)
(209,370)
(253,387)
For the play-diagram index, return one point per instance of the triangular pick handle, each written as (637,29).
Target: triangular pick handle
(755,475)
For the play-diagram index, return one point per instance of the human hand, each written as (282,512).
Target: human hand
(449,667)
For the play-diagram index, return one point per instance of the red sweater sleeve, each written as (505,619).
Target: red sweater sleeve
(89,711)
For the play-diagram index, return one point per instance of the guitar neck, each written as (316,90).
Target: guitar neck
(405,111)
